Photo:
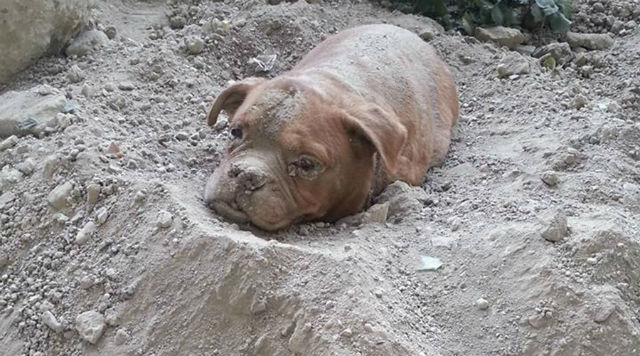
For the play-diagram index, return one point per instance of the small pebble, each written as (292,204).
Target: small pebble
(165,219)
(482,304)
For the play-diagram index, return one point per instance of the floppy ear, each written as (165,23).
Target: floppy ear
(231,98)
(381,129)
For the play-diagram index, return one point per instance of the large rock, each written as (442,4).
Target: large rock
(30,111)
(32,28)
(504,36)
(592,41)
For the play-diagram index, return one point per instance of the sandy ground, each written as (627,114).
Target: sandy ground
(106,247)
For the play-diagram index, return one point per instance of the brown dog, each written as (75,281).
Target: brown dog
(369,105)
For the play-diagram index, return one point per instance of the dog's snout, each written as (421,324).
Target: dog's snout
(252,179)
(248,177)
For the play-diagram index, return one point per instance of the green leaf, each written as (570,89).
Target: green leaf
(496,15)
(537,14)
(559,23)
(508,16)
(467,24)
(548,7)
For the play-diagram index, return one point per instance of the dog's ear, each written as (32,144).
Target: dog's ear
(231,98)
(380,129)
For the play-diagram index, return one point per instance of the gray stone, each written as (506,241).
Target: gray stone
(93,193)
(194,44)
(58,198)
(30,29)
(90,325)
(86,43)
(5,198)
(165,219)
(50,320)
(604,312)
(550,178)
(592,41)
(376,214)
(482,304)
(8,142)
(513,65)
(85,233)
(579,101)
(75,74)
(31,111)
(557,229)
(503,36)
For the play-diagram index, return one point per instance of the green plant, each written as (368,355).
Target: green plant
(467,14)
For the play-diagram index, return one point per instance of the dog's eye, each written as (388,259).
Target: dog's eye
(236,132)
(305,164)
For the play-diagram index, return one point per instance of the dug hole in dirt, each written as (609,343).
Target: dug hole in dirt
(525,242)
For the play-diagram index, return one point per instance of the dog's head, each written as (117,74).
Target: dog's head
(295,155)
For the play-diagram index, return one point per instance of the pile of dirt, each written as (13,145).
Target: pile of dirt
(524,242)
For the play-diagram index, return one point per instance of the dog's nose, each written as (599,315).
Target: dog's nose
(250,178)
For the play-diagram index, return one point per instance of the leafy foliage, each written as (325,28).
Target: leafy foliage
(467,14)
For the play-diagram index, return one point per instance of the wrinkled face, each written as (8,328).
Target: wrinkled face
(291,158)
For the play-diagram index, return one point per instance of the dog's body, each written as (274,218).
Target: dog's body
(307,141)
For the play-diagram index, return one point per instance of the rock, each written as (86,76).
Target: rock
(560,51)
(165,219)
(504,36)
(86,43)
(591,41)
(4,260)
(85,233)
(586,71)
(111,32)
(557,229)
(537,321)
(5,198)
(427,34)
(93,193)
(482,304)
(101,215)
(514,64)
(8,142)
(87,91)
(50,320)
(194,44)
(49,166)
(550,178)
(604,312)
(26,167)
(30,111)
(58,198)
(122,336)
(548,61)
(126,86)
(403,199)
(429,263)
(33,28)
(579,101)
(376,214)
(75,74)
(526,50)
(347,333)
(90,325)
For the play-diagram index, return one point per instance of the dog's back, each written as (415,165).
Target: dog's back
(394,68)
